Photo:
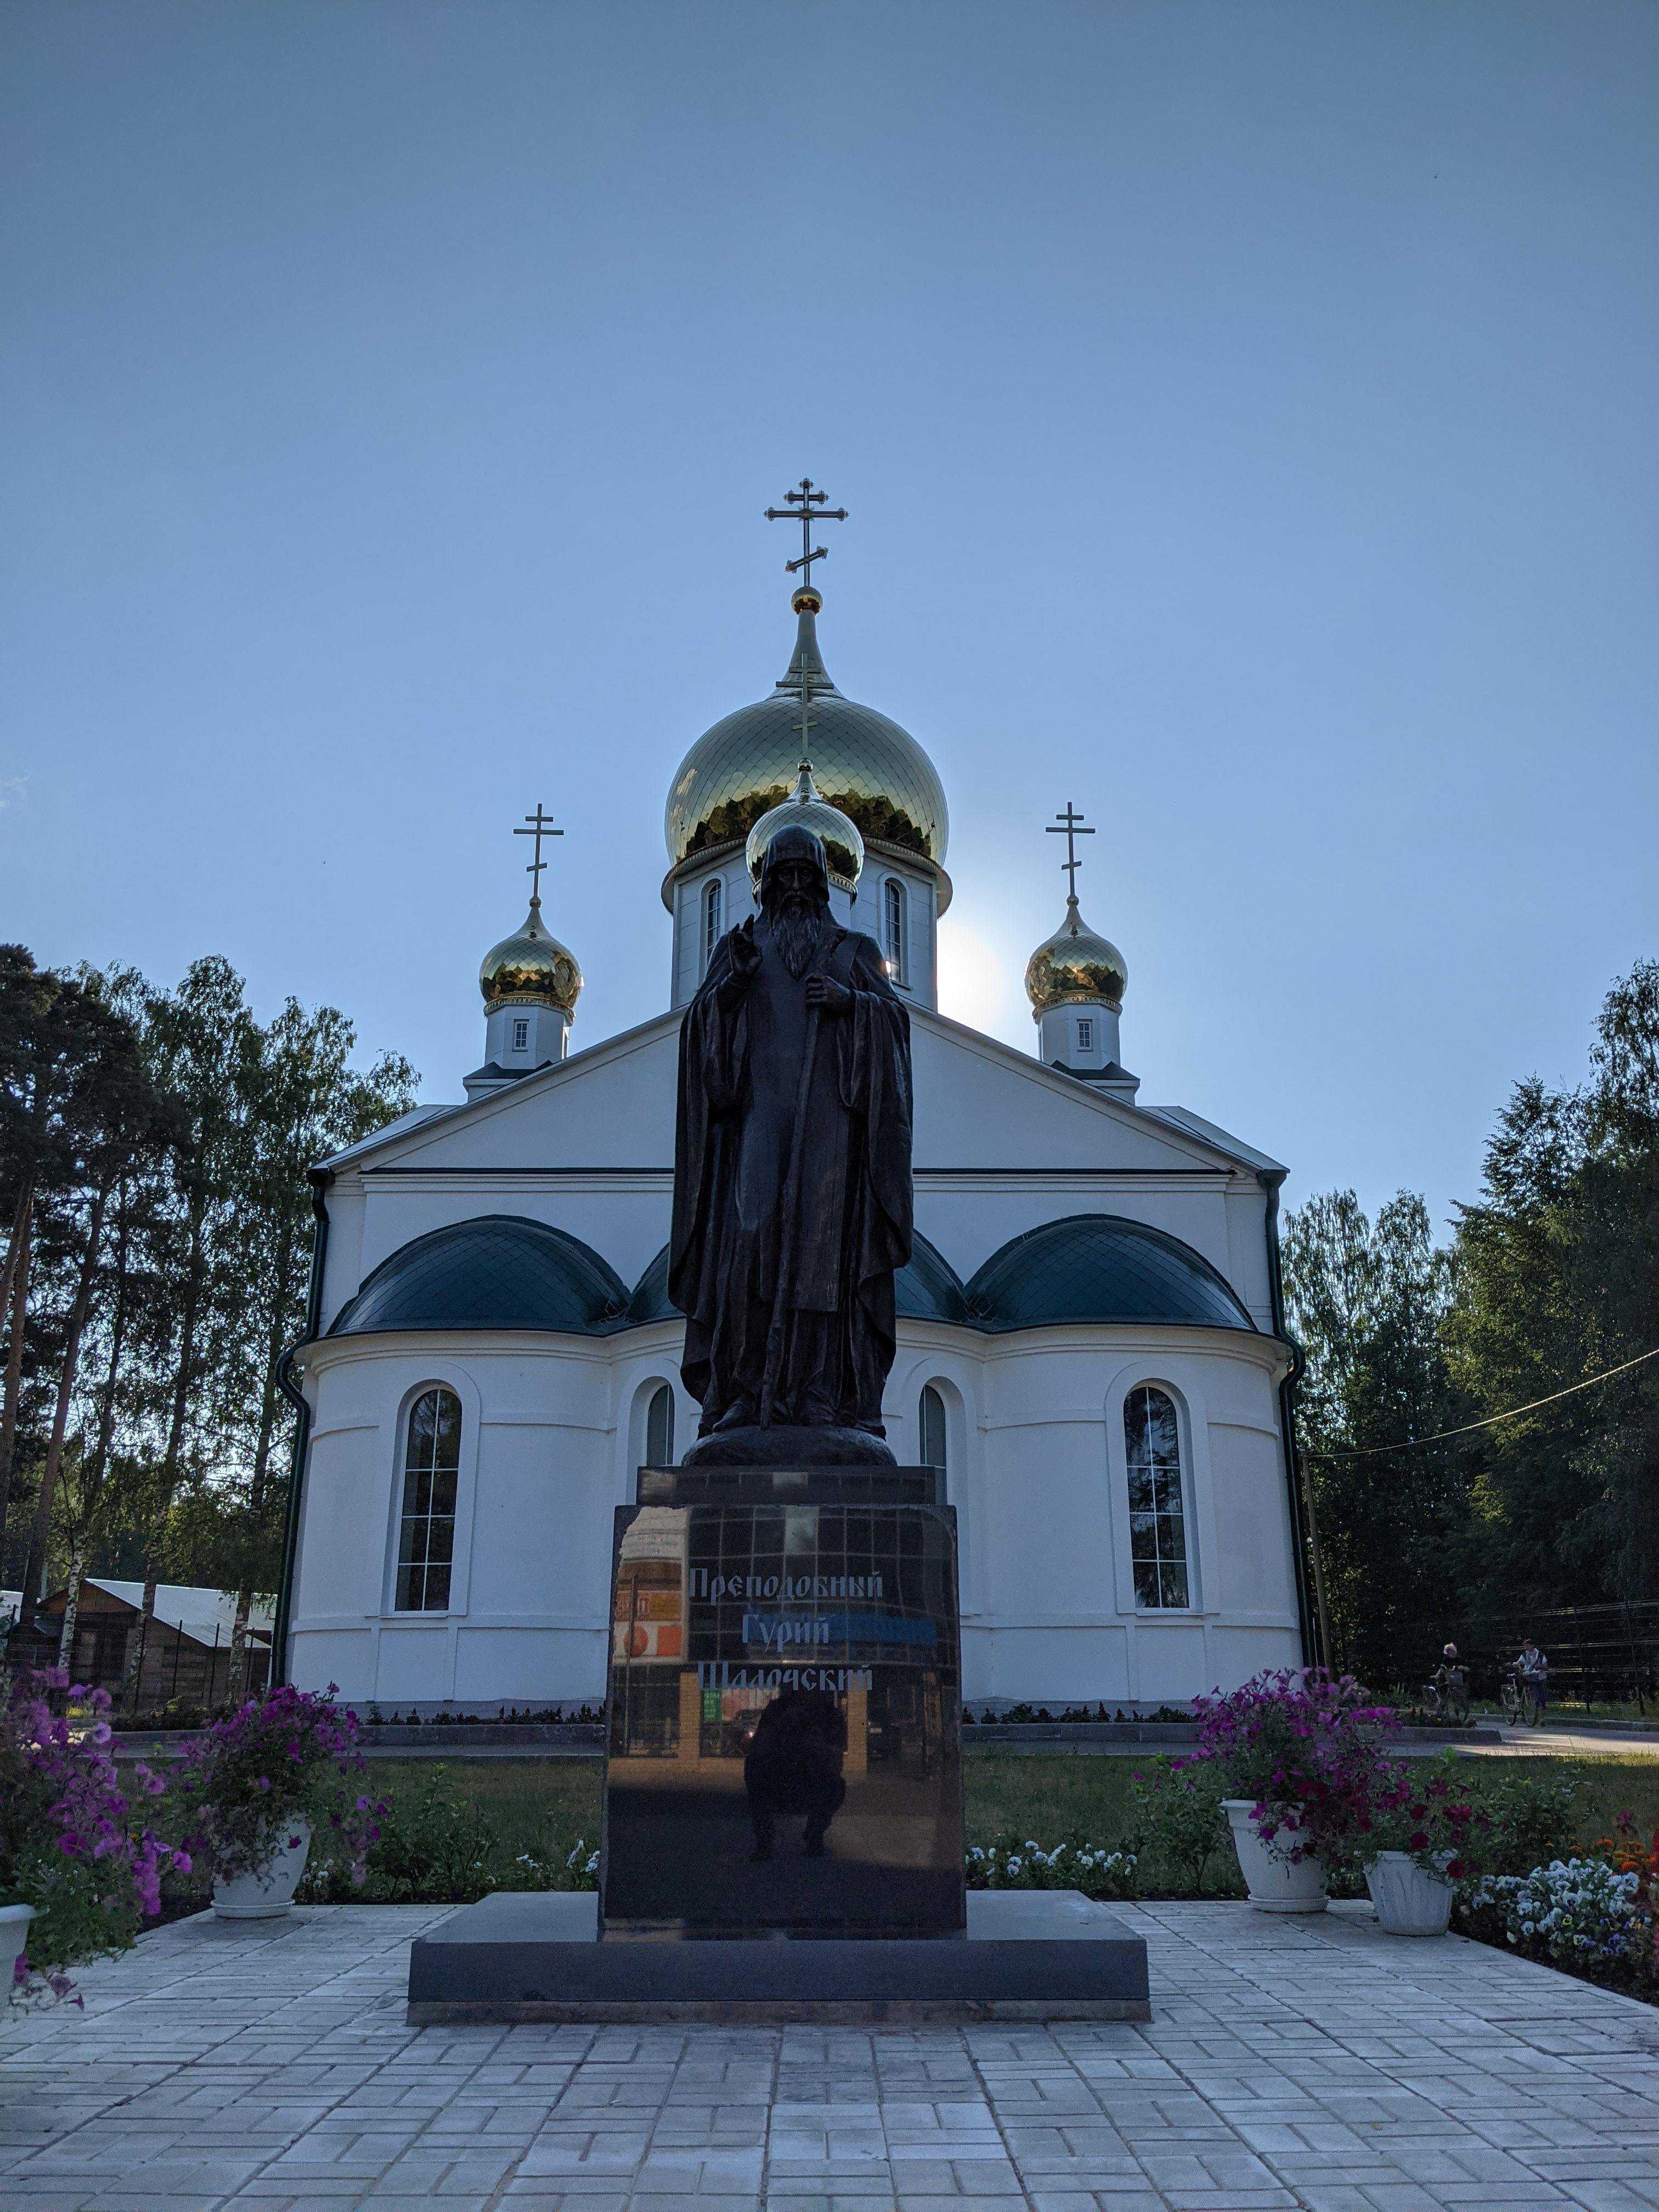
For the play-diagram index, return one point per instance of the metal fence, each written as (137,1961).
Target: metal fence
(1598,1655)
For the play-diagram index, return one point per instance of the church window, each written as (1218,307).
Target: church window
(660,1429)
(932,1429)
(521,1034)
(1085,1033)
(425,1537)
(713,900)
(1158,1521)
(892,926)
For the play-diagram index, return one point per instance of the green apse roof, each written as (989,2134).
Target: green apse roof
(1098,1267)
(499,1270)
(505,1272)
(928,1290)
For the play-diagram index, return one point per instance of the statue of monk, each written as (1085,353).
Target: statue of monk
(791,1169)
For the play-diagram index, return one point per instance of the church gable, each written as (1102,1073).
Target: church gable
(980,1104)
(611,1107)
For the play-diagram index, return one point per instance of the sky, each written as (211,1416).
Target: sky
(1246,414)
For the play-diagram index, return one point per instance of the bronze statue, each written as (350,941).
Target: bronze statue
(792,1178)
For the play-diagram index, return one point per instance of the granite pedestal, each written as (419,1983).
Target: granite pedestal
(526,1957)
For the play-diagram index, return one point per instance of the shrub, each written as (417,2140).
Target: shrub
(71,1844)
(1179,1822)
(1533,1818)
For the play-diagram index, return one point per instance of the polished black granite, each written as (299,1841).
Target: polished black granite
(784,1713)
(520,1956)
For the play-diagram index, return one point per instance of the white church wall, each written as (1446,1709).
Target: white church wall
(532,1527)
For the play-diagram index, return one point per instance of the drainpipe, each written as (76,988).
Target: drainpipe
(1304,1527)
(320,1180)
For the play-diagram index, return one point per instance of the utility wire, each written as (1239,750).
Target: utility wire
(1415,1443)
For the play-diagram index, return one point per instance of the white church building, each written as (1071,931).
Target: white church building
(1091,1339)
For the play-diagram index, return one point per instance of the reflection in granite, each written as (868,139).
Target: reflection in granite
(784,1717)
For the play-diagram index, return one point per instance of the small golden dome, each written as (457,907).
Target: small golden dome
(806,808)
(530,966)
(1075,967)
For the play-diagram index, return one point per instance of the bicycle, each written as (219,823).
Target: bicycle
(1522,1705)
(1447,1693)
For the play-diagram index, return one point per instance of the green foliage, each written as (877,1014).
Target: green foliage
(1552,1278)
(156,1213)
(1368,1301)
(1534,1811)
(439,1844)
(1180,1831)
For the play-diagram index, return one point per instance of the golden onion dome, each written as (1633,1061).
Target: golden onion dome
(867,767)
(1075,967)
(806,808)
(531,966)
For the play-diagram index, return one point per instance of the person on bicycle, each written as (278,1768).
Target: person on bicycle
(1449,1682)
(1533,1670)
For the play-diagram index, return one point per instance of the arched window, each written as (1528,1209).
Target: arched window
(713,902)
(660,1429)
(426,1535)
(1158,1519)
(932,1424)
(892,926)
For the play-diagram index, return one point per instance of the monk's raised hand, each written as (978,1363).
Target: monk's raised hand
(745,953)
(830,998)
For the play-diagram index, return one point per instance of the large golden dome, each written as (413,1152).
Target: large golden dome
(531,967)
(1075,967)
(865,765)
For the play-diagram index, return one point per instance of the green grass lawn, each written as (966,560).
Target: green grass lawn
(541,1807)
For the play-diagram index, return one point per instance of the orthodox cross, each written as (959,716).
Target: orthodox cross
(1070,825)
(806,506)
(541,825)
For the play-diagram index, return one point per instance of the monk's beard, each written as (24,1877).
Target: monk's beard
(799,927)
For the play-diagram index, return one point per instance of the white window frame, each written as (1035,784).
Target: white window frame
(454,1379)
(520,1032)
(712,913)
(1085,1032)
(402,1516)
(895,926)
(1184,1472)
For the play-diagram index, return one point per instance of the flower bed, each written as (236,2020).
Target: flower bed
(73,1846)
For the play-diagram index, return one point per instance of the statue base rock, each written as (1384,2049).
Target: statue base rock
(791,1447)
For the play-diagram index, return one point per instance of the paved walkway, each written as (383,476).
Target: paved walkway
(1315,2064)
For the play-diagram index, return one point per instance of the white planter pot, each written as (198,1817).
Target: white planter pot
(267,1893)
(14,1941)
(1275,1884)
(1408,1901)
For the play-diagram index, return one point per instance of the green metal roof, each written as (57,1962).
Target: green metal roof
(1098,1267)
(929,1288)
(498,1271)
(502,1271)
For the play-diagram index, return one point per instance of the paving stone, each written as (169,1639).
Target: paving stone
(1318,2065)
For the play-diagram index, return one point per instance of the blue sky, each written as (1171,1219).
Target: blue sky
(1247,416)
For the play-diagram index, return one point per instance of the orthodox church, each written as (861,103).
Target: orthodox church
(1091,1337)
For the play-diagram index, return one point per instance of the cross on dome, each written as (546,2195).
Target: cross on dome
(1071,826)
(541,825)
(805,505)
